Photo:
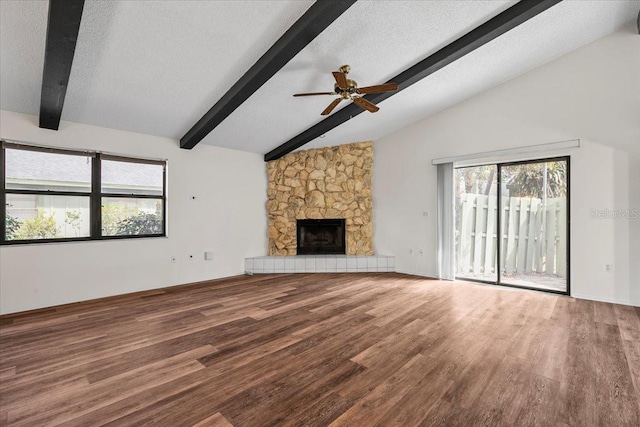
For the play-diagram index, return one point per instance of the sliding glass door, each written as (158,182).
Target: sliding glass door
(533,218)
(476,207)
(519,211)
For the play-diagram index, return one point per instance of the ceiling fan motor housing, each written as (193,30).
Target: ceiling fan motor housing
(351,88)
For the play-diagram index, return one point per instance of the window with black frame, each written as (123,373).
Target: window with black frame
(57,195)
(131,197)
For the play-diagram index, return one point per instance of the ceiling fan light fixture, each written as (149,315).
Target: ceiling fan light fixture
(347,89)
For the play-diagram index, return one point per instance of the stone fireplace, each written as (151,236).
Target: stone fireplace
(321,237)
(322,183)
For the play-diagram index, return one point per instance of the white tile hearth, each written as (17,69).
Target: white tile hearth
(319,264)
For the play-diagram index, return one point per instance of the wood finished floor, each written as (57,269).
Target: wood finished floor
(323,349)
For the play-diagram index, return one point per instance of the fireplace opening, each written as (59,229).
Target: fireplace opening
(321,236)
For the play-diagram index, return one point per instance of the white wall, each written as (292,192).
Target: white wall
(227,217)
(591,95)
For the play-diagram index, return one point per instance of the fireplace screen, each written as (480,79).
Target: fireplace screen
(321,236)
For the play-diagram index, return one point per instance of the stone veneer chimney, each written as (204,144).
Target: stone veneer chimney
(331,182)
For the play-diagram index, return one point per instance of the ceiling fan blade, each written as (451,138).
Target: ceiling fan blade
(387,87)
(369,106)
(341,79)
(331,106)
(314,93)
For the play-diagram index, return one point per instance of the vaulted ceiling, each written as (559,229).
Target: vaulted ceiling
(157,67)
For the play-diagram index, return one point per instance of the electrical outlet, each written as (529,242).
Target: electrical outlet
(208,256)
(608,268)
(173,259)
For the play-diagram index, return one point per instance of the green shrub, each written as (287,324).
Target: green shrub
(143,223)
(40,227)
(113,215)
(12,226)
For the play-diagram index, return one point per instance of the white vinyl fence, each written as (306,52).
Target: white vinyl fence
(533,240)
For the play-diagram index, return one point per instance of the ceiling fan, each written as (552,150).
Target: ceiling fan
(348,89)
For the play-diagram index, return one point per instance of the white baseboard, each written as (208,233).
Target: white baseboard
(609,300)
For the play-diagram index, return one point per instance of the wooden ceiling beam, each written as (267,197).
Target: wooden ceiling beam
(62,34)
(493,28)
(318,17)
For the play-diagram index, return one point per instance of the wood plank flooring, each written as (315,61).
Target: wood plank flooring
(373,349)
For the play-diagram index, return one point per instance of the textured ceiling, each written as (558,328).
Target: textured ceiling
(157,67)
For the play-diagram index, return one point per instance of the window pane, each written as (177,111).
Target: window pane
(46,217)
(33,170)
(476,192)
(126,216)
(131,178)
(534,225)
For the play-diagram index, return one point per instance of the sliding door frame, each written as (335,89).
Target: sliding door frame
(499,233)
